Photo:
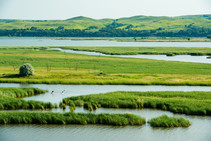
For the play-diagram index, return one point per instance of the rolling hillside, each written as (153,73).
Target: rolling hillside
(193,25)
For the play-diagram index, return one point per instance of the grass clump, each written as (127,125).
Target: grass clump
(165,121)
(69,118)
(190,103)
(10,99)
(21,92)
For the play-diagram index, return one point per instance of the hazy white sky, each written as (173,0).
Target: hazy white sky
(64,9)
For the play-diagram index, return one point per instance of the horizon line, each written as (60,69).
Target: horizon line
(106,18)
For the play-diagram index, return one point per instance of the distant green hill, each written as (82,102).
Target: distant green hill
(191,25)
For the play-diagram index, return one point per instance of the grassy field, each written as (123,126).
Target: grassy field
(10,99)
(165,121)
(190,103)
(54,67)
(145,50)
(69,118)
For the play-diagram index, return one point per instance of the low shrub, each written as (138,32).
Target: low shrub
(26,70)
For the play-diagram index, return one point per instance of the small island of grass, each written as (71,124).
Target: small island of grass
(11,99)
(165,121)
(190,103)
(70,118)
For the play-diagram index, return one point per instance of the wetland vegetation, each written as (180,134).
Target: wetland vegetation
(69,118)
(196,51)
(54,67)
(11,99)
(190,103)
(165,121)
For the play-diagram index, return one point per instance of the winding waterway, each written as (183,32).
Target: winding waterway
(182,58)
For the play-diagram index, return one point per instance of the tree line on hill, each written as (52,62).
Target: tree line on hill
(111,30)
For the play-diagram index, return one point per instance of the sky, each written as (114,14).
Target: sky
(98,9)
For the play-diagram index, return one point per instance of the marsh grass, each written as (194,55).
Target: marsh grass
(190,103)
(70,118)
(165,121)
(10,99)
(21,92)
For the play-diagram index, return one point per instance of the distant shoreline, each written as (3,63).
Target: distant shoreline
(127,39)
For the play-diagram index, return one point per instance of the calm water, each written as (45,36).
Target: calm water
(199,130)
(62,91)
(52,42)
(182,58)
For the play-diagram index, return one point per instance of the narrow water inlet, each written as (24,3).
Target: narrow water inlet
(63,91)
(182,58)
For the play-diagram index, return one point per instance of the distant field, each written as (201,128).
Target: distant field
(54,67)
(163,39)
(145,50)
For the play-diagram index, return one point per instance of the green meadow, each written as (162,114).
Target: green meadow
(54,67)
